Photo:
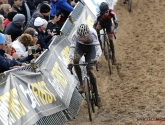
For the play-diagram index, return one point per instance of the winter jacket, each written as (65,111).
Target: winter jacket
(5,64)
(14,30)
(60,5)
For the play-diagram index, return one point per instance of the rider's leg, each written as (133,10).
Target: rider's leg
(91,55)
(110,36)
(94,83)
(77,69)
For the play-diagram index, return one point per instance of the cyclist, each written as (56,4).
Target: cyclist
(85,42)
(104,20)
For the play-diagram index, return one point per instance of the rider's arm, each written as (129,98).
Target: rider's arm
(98,50)
(97,20)
(114,19)
(72,46)
(96,43)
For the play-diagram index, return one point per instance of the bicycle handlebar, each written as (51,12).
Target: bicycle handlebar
(106,33)
(82,64)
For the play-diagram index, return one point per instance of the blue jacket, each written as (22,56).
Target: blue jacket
(60,5)
(5,64)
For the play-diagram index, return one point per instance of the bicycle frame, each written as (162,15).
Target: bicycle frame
(89,93)
(107,49)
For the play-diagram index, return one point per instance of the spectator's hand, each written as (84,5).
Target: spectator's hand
(36,55)
(14,67)
(25,64)
(8,56)
(53,34)
(15,56)
(48,31)
(53,37)
(72,3)
(37,46)
(56,18)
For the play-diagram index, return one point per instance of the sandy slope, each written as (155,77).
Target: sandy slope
(137,89)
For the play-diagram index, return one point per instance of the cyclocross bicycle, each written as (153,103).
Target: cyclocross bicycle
(107,49)
(89,92)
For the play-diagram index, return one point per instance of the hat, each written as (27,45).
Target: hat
(3,39)
(18,18)
(45,8)
(10,15)
(39,21)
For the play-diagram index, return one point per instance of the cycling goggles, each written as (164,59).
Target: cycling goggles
(105,12)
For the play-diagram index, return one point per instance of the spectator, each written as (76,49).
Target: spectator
(21,7)
(21,45)
(34,34)
(60,6)
(15,27)
(32,6)
(43,39)
(44,13)
(6,60)
(9,18)
(73,2)
(1,24)
(5,9)
(54,25)
(39,3)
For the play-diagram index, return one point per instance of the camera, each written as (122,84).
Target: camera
(56,31)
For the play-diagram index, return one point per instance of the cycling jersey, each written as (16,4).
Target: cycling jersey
(92,39)
(105,21)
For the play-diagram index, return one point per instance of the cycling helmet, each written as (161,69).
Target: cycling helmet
(83,30)
(103,7)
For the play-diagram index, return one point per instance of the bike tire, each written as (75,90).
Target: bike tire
(93,100)
(129,5)
(107,54)
(87,94)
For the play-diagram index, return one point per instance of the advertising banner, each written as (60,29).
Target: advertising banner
(25,97)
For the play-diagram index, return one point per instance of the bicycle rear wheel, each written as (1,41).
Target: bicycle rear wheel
(107,54)
(129,5)
(87,94)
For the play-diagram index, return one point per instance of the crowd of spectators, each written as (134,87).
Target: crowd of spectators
(26,24)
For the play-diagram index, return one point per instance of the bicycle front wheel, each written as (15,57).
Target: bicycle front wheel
(107,55)
(87,94)
(129,5)
(93,98)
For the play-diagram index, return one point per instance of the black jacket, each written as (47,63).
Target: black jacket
(14,30)
(5,64)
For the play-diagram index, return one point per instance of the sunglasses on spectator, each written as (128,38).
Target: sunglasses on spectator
(36,34)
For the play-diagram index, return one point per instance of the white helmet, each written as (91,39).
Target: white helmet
(83,30)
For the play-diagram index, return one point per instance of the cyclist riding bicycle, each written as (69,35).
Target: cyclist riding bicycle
(104,20)
(85,42)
